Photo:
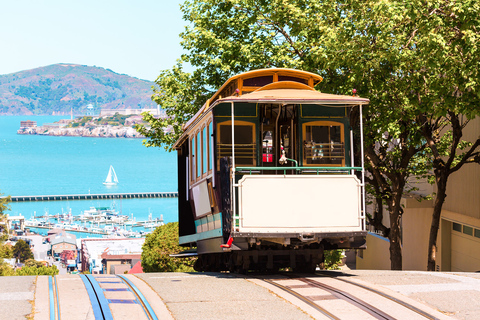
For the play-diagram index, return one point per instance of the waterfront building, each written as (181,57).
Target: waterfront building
(63,243)
(111,112)
(119,263)
(16,223)
(28,124)
(99,255)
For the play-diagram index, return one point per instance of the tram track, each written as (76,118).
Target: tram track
(53,295)
(101,289)
(335,298)
(389,297)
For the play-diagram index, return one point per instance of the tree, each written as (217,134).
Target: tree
(5,250)
(21,251)
(447,159)
(415,61)
(3,224)
(448,95)
(157,248)
(435,76)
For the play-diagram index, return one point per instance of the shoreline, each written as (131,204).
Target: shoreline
(107,131)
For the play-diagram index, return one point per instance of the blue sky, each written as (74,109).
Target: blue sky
(138,38)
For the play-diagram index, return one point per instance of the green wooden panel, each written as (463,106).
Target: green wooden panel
(241,110)
(316,111)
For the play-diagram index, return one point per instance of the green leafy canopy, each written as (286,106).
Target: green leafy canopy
(416,61)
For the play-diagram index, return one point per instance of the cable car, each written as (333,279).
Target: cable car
(268,176)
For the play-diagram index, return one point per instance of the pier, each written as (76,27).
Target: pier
(99,232)
(98,196)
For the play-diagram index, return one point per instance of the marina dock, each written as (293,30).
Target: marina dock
(99,232)
(98,196)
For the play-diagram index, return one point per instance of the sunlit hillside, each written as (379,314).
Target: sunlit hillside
(59,88)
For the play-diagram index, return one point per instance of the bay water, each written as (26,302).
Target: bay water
(50,165)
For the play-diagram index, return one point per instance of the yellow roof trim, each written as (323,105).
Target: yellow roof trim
(270,71)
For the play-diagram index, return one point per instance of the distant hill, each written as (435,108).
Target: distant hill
(58,88)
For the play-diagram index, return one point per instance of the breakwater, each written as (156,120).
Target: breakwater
(98,196)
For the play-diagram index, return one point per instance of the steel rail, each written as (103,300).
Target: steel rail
(51,298)
(141,298)
(55,282)
(389,297)
(303,299)
(373,311)
(99,303)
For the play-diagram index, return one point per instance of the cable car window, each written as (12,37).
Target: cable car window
(210,146)
(288,78)
(245,147)
(324,143)
(205,150)
(257,81)
(194,159)
(198,152)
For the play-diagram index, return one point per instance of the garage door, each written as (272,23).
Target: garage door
(465,248)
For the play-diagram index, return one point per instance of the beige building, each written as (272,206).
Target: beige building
(104,255)
(459,234)
(28,124)
(119,263)
(130,111)
(61,244)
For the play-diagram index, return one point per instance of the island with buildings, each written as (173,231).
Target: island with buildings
(111,123)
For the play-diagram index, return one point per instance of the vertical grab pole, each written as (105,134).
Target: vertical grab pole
(363,168)
(352,164)
(233,204)
(212,152)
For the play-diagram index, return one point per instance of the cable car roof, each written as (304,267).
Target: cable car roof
(281,92)
(288,92)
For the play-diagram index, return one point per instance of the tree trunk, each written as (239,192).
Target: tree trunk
(395,241)
(441,180)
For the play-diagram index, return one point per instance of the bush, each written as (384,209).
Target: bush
(157,248)
(333,259)
(6,251)
(6,270)
(37,271)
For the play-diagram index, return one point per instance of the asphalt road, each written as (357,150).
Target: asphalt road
(229,296)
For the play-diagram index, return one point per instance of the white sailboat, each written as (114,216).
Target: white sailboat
(111,179)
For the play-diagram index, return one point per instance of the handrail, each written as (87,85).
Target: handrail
(298,168)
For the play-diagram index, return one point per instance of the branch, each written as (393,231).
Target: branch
(468,155)
(427,133)
(411,37)
(282,32)
(457,136)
